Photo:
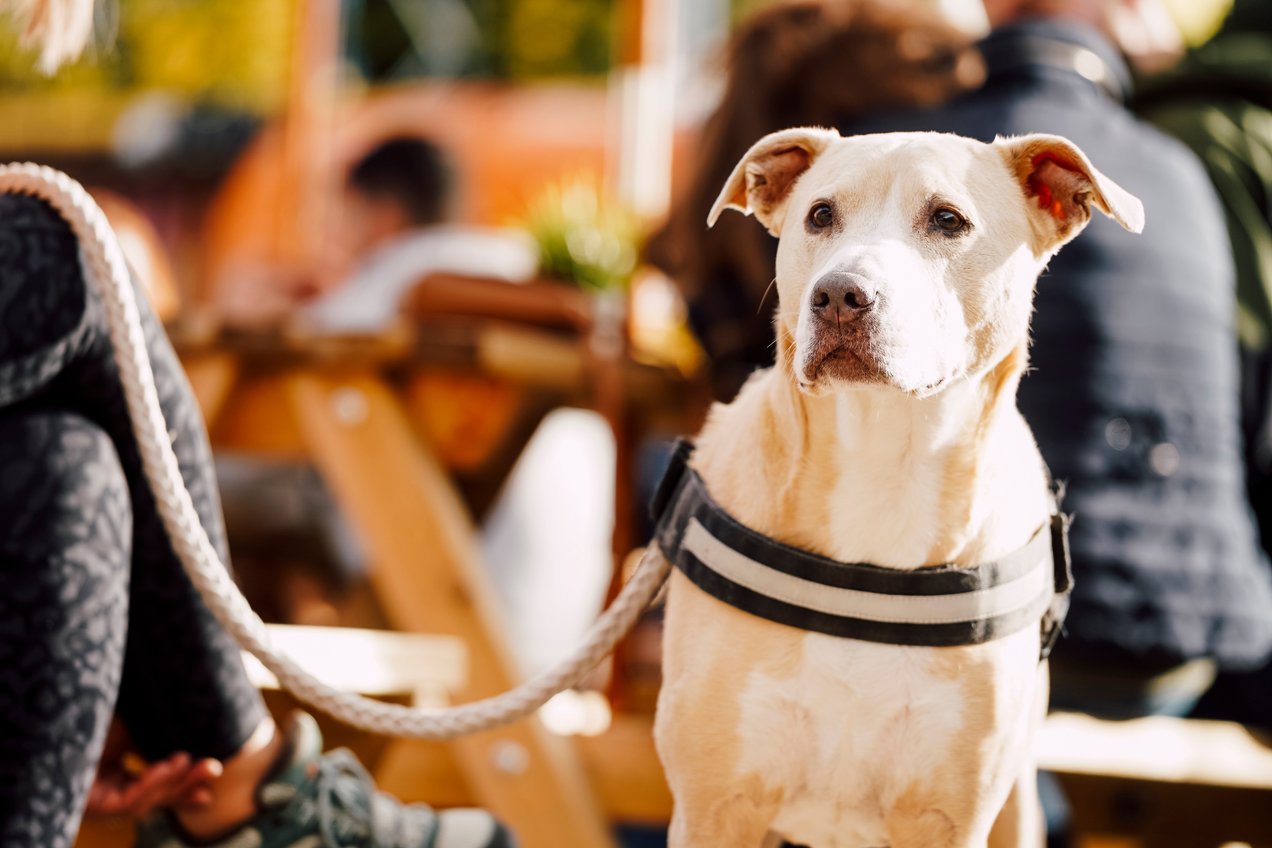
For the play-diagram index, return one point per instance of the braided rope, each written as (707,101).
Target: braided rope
(104,266)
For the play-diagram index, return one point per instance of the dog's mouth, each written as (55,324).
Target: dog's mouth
(848,358)
(858,358)
(929,389)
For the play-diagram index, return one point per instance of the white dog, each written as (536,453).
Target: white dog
(886,434)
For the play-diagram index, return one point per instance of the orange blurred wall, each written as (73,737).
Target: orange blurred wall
(506,142)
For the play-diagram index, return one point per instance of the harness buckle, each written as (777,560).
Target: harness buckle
(677,465)
(1062,566)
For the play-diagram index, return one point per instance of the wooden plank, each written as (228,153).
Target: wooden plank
(310,176)
(257,419)
(621,766)
(532,357)
(626,772)
(114,832)
(1109,812)
(370,662)
(1157,748)
(212,376)
(1166,814)
(429,577)
(464,417)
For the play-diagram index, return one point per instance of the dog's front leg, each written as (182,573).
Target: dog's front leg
(1019,825)
(735,822)
(712,810)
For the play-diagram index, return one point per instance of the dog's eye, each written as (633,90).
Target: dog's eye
(948,221)
(821,216)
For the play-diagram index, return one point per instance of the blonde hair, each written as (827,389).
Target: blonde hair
(58,29)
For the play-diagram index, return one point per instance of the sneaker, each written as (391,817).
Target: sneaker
(316,800)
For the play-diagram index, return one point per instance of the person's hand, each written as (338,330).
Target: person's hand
(125,786)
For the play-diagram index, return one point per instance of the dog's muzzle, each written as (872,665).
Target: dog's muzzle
(840,298)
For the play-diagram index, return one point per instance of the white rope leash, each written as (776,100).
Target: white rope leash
(104,266)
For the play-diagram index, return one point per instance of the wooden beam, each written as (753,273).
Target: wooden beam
(425,669)
(1109,810)
(1159,748)
(621,766)
(1158,814)
(257,419)
(309,175)
(212,376)
(624,768)
(430,579)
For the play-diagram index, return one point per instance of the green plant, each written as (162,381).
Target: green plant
(584,237)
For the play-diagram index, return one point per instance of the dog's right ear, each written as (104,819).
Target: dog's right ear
(1061,186)
(762,181)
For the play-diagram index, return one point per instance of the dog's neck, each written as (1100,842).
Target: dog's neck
(872,475)
(925,480)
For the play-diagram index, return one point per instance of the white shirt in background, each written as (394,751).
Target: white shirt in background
(369,300)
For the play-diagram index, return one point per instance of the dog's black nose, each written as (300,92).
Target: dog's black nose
(840,296)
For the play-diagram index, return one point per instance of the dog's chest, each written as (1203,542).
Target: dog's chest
(860,531)
(856,727)
(896,490)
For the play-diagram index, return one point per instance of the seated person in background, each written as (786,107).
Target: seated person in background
(391,235)
(392,229)
(794,63)
(1218,101)
(1133,390)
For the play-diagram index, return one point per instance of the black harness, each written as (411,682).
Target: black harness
(938,606)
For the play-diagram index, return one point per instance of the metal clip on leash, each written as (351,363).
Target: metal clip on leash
(104,267)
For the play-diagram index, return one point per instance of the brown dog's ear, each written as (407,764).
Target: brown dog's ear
(1061,185)
(762,180)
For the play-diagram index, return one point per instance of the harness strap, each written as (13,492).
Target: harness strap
(939,606)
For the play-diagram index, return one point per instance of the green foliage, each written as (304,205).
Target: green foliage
(583,237)
(546,38)
(516,39)
(742,8)
(235,52)
(224,50)
(230,52)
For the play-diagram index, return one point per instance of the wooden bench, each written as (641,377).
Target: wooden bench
(1161,782)
(1134,784)
(377,418)
(422,668)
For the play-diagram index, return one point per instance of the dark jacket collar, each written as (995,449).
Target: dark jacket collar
(1058,50)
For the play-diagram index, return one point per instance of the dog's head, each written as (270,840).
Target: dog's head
(908,260)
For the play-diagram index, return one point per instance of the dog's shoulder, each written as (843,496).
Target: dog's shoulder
(751,451)
(752,425)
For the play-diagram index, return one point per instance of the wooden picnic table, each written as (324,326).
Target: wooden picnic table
(385,420)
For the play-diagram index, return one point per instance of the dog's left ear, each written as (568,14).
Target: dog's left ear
(762,181)
(1061,185)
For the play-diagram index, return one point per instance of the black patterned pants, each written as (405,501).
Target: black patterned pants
(96,616)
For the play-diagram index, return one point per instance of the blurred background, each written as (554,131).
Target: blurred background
(424,264)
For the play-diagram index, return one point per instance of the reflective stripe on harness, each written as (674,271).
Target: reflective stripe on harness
(938,606)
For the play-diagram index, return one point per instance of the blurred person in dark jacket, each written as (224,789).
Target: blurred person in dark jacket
(1133,394)
(1218,101)
(793,63)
